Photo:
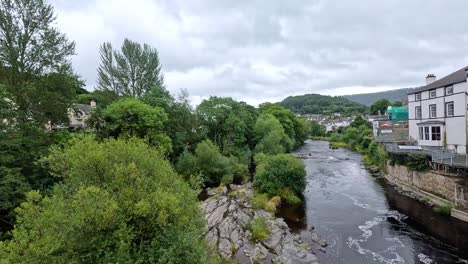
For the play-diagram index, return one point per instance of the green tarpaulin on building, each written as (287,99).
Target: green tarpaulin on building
(398,113)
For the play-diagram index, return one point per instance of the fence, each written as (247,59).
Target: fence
(446,157)
(452,159)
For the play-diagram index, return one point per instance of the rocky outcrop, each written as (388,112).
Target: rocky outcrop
(227,213)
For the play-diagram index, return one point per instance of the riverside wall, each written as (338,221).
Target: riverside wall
(439,187)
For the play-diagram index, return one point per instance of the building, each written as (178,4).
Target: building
(438,112)
(79,115)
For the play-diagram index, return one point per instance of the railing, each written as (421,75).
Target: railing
(446,157)
(452,159)
(390,138)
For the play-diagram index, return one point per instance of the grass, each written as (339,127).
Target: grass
(442,209)
(260,201)
(305,246)
(338,144)
(259,228)
(290,197)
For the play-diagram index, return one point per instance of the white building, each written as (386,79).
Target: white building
(438,112)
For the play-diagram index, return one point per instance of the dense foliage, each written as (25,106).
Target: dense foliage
(120,202)
(379,107)
(280,175)
(322,104)
(132,118)
(210,165)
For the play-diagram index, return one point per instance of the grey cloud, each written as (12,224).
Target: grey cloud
(272,49)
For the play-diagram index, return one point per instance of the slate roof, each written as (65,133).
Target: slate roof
(85,108)
(455,77)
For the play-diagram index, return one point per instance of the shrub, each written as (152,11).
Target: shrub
(442,209)
(279,172)
(120,202)
(210,164)
(259,200)
(259,228)
(339,144)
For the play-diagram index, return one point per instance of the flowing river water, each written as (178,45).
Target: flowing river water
(364,220)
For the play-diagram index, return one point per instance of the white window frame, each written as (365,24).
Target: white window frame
(417,96)
(433,95)
(434,134)
(426,133)
(448,90)
(421,133)
(432,114)
(449,112)
(417,112)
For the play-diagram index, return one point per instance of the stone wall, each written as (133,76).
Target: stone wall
(437,186)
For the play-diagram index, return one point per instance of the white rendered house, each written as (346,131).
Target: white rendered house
(438,112)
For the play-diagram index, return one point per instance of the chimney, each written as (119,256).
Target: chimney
(93,103)
(430,78)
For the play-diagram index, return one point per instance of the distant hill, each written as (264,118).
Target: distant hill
(369,98)
(322,104)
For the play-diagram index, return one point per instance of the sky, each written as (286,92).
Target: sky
(266,50)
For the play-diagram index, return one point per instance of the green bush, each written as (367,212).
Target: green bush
(336,145)
(414,162)
(442,209)
(120,202)
(211,165)
(275,173)
(259,228)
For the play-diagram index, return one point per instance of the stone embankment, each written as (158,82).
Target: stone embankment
(228,212)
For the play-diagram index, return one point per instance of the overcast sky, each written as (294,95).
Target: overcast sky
(266,50)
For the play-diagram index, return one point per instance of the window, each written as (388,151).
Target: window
(449,90)
(449,109)
(426,133)
(417,112)
(418,97)
(421,133)
(432,111)
(432,93)
(435,133)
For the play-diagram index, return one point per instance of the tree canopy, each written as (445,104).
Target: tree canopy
(380,106)
(322,104)
(132,71)
(120,202)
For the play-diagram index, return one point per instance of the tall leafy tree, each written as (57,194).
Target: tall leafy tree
(132,71)
(30,47)
(379,106)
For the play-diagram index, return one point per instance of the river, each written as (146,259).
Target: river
(365,220)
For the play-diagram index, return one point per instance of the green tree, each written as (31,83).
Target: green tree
(103,98)
(379,106)
(120,202)
(132,71)
(271,136)
(397,103)
(293,126)
(316,130)
(182,126)
(20,170)
(229,124)
(208,163)
(31,47)
(132,118)
(281,174)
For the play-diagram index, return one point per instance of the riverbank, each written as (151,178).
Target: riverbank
(234,229)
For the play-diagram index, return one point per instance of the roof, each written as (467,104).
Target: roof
(431,122)
(84,107)
(455,77)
